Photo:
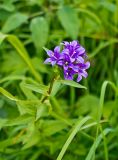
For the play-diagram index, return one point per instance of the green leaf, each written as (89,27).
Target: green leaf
(23,119)
(56,105)
(109,106)
(17,44)
(55,88)
(7,142)
(7,94)
(32,140)
(102,95)
(2,122)
(26,108)
(27,92)
(39,30)
(69,20)
(40,88)
(32,136)
(51,127)
(109,6)
(71,83)
(42,111)
(12,78)
(13,22)
(91,14)
(13,59)
(87,104)
(8,5)
(2,37)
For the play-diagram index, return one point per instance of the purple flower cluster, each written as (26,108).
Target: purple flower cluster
(72,59)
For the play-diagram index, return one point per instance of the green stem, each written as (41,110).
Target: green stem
(50,88)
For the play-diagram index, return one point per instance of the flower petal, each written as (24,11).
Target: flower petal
(60,63)
(57,49)
(65,43)
(53,63)
(75,68)
(74,43)
(65,51)
(50,53)
(80,50)
(48,60)
(68,76)
(84,74)
(65,67)
(80,59)
(87,65)
(79,78)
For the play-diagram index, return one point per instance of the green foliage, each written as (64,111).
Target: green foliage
(70,138)
(95,144)
(14,21)
(43,116)
(39,29)
(69,20)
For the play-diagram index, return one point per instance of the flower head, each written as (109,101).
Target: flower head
(72,59)
(54,55)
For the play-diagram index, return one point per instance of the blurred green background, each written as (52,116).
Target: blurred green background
(39,23)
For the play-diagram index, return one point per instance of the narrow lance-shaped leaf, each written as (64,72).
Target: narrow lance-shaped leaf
(96,143)
(37,88)
(23,119)
(7,94)
(71,83)
(75,129)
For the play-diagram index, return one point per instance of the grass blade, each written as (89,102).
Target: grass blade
(76,129)
(96,143)
(102,46)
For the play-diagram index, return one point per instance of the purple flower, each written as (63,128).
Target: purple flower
(75,49)
(69,73)
(65,60)
(54,55)
(72,59)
